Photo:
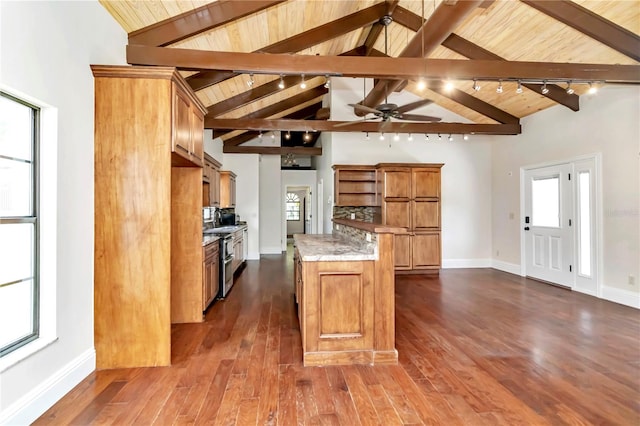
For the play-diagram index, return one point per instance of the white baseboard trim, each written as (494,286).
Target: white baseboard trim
(466,263)
(623,297)
(31,406)
(511,268)
(271,250)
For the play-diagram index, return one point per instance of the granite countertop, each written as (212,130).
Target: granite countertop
(333,247)
(208,239)
(224,229)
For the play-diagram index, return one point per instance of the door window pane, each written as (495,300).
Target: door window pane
(545,201)
(16,308)
(15,188)
(584,215)
(16,129)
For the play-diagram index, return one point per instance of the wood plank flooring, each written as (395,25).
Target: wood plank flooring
(476,347)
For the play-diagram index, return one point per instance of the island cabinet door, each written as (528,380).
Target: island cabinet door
(339,302)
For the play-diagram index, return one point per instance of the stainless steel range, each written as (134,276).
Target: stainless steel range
(226,257)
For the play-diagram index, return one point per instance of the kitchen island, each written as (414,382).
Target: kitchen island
(344,289)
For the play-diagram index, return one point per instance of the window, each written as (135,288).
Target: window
(19,289)
(293,206)
(545,201)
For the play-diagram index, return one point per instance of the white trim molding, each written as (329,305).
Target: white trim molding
(621,296)
(31,406)
(511,268)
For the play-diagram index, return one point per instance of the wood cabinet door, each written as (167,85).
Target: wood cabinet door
(397,213)
(181,142)
(339,313)
(425,183)
(425,250)
(215,187)
(396,183)
(197,134)
(426,215)
(402,251)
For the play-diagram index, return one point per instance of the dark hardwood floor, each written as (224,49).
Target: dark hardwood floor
(476,347)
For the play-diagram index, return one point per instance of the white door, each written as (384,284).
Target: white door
(548,224)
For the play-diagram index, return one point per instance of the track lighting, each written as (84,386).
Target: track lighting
(544,88)
(281,84)
(396,137)
(448,86)
(327,83)
(426,137)
(287,136)
(307,136)
(260,135)
(410,138)
(465,137)
(303,84)
(381,136)
(421,84)
(273,135)
(569,89)
(450,138)
(499,89)
(519,89)
(439,137)
(251,81)
(366,136)
(476,86)
(592,89)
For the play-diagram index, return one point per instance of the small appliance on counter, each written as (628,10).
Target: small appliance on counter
(228,219)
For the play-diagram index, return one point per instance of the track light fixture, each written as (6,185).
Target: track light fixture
(569,88)
(421,84)
(281,84)
(450,138)
(366,136)
(381,136)
(499,89)
(476,86)
(439,137)
(465,137)
(260,135)
(426,137)
(448,86)
(410,138)
(592,89)
(307,136)
(273,135)
(396,137)
(544,89)
(251,81)
(519,89)
(287,136)
(327,83)
(303,84)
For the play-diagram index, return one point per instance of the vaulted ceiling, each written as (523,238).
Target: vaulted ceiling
(220,46)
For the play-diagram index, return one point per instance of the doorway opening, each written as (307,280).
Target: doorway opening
(298,210)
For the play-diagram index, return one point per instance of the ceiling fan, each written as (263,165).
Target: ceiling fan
(387,111)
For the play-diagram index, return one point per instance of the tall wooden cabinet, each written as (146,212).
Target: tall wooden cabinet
(148,229)
(410,198)
(227,189)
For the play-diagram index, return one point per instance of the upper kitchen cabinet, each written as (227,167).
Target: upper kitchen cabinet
(355,185)
(211,182)
(148,214)
(227,189)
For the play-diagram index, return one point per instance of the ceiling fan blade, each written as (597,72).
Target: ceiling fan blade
(348,123)
(365,108)
(417,117)
(413,105)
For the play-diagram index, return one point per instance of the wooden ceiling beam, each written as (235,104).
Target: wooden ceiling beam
(473,51)
(376,67)
(300,41)
(196,21)
(431,34)
(272,150)
(278,107)
(591,24)
(302,114)
(241,138)
(260,124)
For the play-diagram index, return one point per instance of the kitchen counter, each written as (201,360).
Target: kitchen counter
(224,229)
(333,247)
(209,239)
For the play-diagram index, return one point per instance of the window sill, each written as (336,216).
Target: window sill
(25,352)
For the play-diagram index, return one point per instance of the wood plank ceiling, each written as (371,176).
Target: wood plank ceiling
(219,46)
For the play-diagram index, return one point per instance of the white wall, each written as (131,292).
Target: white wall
(247,169)
(466,175)
(270,202)
(45,52)
(607,123)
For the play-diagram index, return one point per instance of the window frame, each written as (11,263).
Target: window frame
(287,202)
(33,219)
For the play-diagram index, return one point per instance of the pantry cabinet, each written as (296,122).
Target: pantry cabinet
(148,212)
(410,198)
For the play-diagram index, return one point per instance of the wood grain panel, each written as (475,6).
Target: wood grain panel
(402,251)
(132,222)
(397,183)
(340,305)
(425,214)
(425,183)
(397,213)
(426,251)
